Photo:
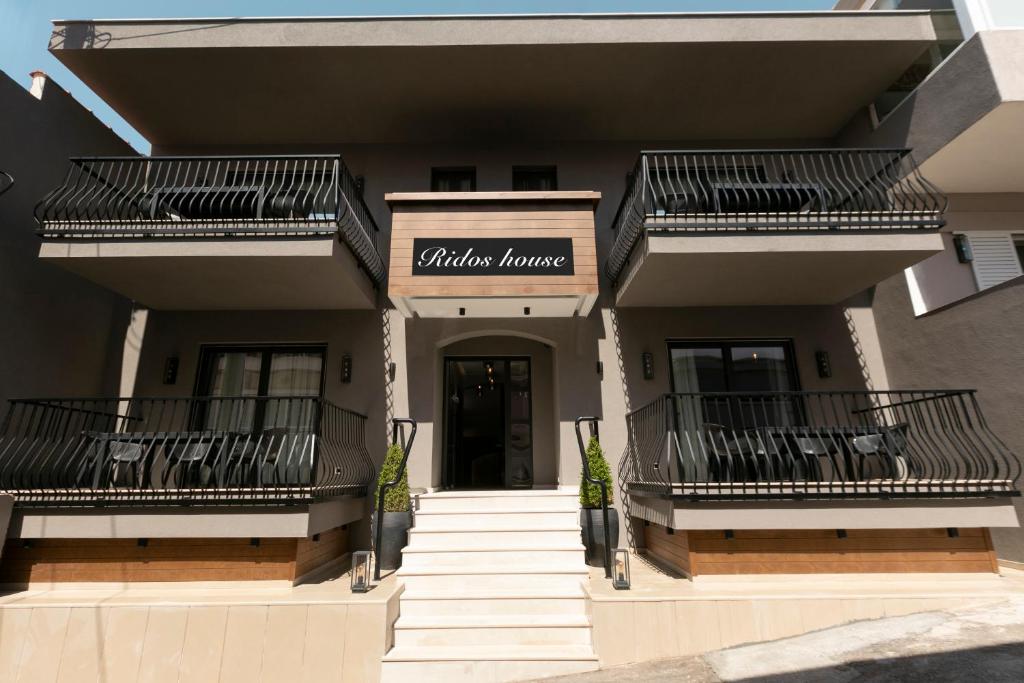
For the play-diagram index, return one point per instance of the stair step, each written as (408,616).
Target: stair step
(483,604)
(482,630)
(495,664)
(484,501)
(460,559)
(492,653)
(493,589)
(490,578)
(491,621)
(541,537)
(516,519)
(502,493)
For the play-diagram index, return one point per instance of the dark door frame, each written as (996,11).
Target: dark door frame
(447,457)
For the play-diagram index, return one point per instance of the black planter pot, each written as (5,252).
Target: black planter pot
(395,536)
(592,521)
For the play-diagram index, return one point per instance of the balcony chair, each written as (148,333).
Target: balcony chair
(191,465)
(884,455)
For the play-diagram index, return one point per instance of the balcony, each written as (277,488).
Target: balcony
(791,227)
(816,445)
(251,451)
(215,233)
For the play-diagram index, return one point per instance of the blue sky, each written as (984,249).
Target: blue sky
(25,24)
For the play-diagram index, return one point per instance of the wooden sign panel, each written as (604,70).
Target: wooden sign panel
(499,244)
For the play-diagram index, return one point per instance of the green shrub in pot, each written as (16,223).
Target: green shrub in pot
(591,516)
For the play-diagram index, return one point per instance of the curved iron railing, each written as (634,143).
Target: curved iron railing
(6,181)
(743,191)
(178,451)
(807,444)
(212,196)
(396,432)
(589,477)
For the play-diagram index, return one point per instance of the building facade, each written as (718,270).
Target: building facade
(707,238)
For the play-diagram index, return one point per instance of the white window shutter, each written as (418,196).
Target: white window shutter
(995,258)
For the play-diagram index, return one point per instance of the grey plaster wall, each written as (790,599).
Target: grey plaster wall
(60,335)
(975,343)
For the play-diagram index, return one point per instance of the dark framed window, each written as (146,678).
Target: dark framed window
(534,178)
(453,179)
(733,365)
(747,366)
(259,371)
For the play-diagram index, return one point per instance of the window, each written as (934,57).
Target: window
(534,178)
(734,366)
(995,257)
(259,371)
(461,179)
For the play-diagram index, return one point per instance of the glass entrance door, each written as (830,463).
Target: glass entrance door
(488,422)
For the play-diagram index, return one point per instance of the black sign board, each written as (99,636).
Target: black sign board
(492,256)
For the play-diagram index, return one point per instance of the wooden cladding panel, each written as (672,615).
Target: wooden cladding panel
(671,549)
(822,551)
(166,559)
(310,555)
(552,217)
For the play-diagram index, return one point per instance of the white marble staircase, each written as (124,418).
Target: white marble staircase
(493,589)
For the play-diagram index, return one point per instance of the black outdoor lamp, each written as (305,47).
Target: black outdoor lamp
(962,247)
(360,571)
(620,569)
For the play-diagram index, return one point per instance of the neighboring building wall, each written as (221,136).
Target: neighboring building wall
(942,279)
(61,335)
(975,343)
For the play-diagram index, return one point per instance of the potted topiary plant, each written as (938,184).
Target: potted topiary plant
(397,519)
(591,516)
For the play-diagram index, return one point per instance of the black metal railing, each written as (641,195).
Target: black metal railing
(6,181)
(172,451)
(212,196)
(745,191)
(397,437)
(600,483)
(806,444)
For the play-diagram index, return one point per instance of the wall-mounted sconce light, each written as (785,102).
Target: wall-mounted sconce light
(254,542)
(824,364)
(346,369)
(840,533)
(953,532)
(729,535)
(142,542)
(171,370)
(360,571)
(647,359)
(462,311)
(620,570)
(962,247)
(600,369)
(526,310)
(391,371)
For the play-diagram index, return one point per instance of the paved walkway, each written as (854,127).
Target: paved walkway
(981,643)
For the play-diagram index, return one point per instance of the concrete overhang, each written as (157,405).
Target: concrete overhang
(221,274)
(964,122)
(827,514)
(775,270)
(288,81)
(295,521)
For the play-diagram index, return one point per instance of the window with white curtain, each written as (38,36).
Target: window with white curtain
(230,371)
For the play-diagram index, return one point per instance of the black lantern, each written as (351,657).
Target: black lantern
(620,570)
(360,571)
